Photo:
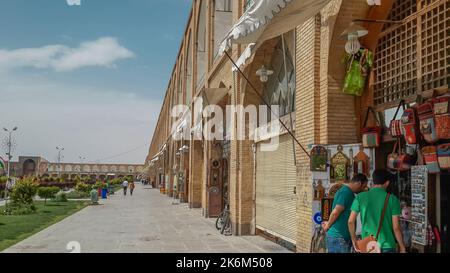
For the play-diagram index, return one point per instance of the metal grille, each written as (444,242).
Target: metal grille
(407,63)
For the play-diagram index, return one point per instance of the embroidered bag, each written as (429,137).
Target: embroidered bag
(396,128)
(443,152)
(431,159)
(442,116)
(398,160)
(371,136)
(427,122)
(410,124)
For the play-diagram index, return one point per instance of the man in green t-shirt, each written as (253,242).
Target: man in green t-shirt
(370,205)
(338,236)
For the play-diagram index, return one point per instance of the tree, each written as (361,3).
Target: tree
(22,196)
(47,193)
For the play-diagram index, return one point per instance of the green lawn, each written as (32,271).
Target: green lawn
(14,229)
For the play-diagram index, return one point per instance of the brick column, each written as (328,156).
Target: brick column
(195,174)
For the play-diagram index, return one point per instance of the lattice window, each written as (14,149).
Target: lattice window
(406,66)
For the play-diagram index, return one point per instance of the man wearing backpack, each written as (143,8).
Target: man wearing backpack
(380,215)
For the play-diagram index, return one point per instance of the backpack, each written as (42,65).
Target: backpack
(427,122)
(442,116)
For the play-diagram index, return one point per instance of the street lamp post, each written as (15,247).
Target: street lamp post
(60,149)
(9,147)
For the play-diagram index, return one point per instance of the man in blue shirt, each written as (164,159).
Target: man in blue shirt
(338,235)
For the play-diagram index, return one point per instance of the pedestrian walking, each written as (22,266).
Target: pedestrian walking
(125,187)
(338,235)
(132,186)
(380,217)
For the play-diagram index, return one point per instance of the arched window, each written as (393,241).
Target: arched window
(280,89)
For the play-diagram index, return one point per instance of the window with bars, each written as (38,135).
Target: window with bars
(414,56)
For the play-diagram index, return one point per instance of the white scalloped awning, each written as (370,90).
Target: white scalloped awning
(248,52)
(267,19)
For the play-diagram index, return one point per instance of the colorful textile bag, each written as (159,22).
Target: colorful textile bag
(396,128)
(410,124)
(431,159)
(427,122)
(371,136)
(398,160)
(443,152)
(442,116)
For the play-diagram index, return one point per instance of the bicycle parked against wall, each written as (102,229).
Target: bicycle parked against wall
(223,222)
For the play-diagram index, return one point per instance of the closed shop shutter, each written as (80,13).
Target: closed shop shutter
(276,201)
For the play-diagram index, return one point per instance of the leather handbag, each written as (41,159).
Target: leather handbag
(395,127)
(370,243)
(371,136)
(398,160)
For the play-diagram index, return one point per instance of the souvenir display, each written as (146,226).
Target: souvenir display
(419,213)
(442,116)
(395,127)
(427,122)
(339,166)
(319,159)
(431,159)
(371,136)
(361,163)
(410,126)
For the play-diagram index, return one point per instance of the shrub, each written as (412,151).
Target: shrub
(77,195)
(99,185)
(48,193)
(61,197)
(22,196)
(82,187)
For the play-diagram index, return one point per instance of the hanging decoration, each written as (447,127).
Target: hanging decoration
(339,166)
(319,159)
(361,163)
(358,67)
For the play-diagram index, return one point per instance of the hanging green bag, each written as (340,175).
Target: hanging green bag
(358,69)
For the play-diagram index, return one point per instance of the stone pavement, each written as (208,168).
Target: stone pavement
(147,222)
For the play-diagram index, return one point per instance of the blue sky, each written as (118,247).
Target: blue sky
(90,78)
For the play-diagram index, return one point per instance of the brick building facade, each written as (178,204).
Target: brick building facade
(207,174)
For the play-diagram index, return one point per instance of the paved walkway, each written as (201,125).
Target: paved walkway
(144,223)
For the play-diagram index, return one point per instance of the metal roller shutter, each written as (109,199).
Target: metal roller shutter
(276,201)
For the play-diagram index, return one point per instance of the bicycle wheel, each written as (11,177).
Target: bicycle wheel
(219,221)
(226,223)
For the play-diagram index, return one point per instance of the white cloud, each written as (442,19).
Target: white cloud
(101,52)
(90,122)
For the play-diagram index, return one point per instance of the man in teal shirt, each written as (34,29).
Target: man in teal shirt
(370,205)
(338,236)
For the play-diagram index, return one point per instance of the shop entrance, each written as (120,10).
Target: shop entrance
(276,197)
